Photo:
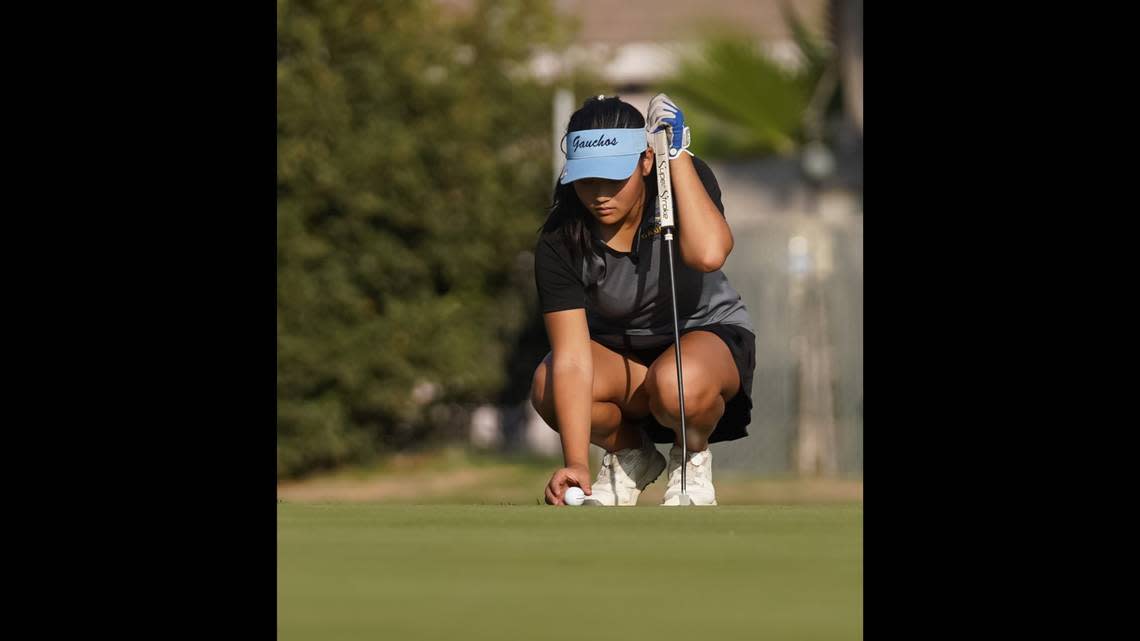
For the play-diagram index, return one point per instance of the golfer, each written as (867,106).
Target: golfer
(603,285)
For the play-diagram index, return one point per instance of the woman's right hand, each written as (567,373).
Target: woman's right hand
(564,478)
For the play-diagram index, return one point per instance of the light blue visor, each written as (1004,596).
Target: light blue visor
(603,153)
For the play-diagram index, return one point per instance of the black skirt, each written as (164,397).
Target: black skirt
(737,411)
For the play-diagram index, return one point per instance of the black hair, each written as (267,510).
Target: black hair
(567,215)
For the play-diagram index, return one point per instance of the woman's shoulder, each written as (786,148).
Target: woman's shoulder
(552,245)
(550,239)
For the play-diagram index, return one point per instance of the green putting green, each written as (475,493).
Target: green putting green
(369,571)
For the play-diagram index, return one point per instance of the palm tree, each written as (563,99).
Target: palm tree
(746,103)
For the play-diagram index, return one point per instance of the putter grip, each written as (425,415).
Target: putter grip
(659,141)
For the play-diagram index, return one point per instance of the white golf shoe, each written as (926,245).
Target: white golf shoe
(698,478)
(625,473)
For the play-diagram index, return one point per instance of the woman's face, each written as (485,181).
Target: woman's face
(610,201)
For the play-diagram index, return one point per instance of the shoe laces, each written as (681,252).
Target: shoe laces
(606,473)
(696,461)
(610,463)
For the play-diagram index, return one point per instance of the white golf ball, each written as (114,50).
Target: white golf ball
(574,496)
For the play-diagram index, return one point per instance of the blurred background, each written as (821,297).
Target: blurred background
(417,150)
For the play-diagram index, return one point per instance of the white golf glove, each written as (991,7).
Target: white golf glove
(664,114)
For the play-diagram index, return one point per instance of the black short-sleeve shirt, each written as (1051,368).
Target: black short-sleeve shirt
(628,292)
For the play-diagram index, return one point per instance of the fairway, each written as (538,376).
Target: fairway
(369,571)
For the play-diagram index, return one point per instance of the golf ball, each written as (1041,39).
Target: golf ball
(574,496)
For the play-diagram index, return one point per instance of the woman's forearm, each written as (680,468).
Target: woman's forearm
(573,401)
(704,238)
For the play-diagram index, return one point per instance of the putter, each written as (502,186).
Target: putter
(659,141)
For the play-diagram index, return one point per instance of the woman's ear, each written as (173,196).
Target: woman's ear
(647,162)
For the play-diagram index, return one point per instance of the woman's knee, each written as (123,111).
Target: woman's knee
(664,395)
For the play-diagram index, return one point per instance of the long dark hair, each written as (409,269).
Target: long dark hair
(567,215)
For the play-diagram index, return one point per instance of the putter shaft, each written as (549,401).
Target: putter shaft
(660,143)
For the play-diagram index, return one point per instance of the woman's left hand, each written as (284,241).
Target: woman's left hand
(664,113)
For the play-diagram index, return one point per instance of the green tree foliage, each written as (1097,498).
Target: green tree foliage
(413,166)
